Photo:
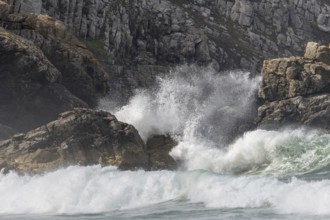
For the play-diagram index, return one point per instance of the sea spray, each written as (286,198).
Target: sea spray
(202,108)
(193,102)
(281,153)
(78,190)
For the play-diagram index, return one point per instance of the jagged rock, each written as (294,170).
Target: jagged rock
(253,27)
(30,89)
(290,77)
(312,110)
(297,90)
(230,34)
(135,34)
(315,51)
(258,29)
(82,74)
(78,137)
(158,149)
(234,34)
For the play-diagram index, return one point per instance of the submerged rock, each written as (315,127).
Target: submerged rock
(78,137)
(297,89)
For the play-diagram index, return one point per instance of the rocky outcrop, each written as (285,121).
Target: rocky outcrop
(297,89)
(30,89)
(158,149)
(312,110)
(239,32)
(290,77)
(78,137)
(81,73)
(140,38)
(230,34)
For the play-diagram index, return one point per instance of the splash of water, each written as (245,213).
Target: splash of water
(98,190)
(194,102)
(281,153)
(201,107)
(205,108)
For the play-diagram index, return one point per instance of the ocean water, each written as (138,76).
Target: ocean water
(262,174)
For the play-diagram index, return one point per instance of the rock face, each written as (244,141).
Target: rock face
(228,33)
(81,73)
(142,38)
(158,149)
(44,69)
(78,137)
(297,89)
(30,89)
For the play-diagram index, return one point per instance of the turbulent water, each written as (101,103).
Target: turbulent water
(261,174)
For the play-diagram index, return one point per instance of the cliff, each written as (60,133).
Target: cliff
(45,70)
(141,38)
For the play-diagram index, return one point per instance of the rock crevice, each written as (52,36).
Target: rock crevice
(297,89)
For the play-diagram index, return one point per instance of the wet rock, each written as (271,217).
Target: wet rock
(158,149)
(312,111)
(78,137)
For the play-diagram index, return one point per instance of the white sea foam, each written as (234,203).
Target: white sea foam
(95,190)
(282,153)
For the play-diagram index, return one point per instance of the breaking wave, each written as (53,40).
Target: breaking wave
(99,190)
(192,102)
(205,112)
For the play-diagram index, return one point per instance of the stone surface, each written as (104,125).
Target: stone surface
(229,33)
(315,51)
(82,73)
(251,29)
(78,137)
(30,89)
(312,111)
(158,149)
(290,77)
(297,89)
